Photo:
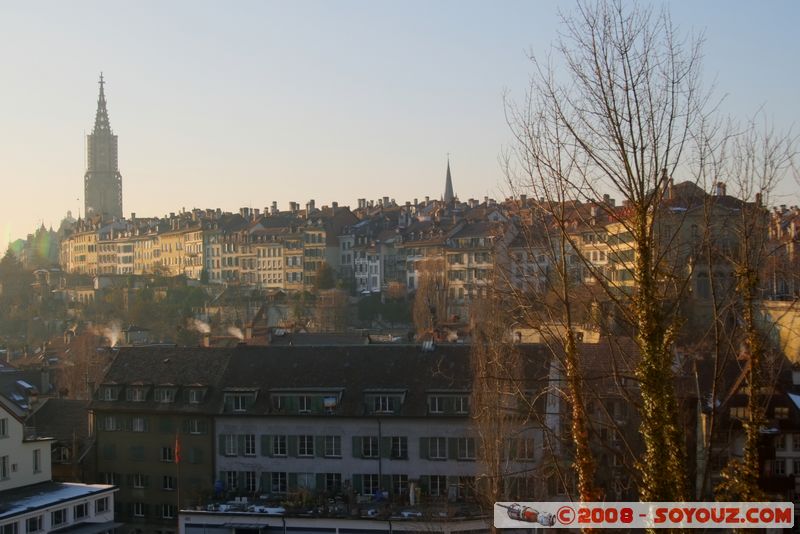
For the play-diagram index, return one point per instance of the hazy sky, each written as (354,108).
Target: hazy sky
(230,104)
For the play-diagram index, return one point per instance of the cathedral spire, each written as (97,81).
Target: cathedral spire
(448,185)
(101,123)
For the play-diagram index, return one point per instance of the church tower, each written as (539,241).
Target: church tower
(102,181)
(448,197)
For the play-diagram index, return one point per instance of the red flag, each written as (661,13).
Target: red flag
(177,448)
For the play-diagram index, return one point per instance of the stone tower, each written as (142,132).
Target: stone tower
(102,181)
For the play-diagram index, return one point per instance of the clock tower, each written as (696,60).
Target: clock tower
(102,181)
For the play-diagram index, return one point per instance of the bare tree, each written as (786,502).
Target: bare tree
(430,299)
(617,113)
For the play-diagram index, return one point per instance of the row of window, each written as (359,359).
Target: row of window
(138,423)
(138,453)
(193,395)
(58,517)
(392,447)
(142,510)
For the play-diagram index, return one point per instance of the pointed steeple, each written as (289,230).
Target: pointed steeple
(101,123)
(448,185)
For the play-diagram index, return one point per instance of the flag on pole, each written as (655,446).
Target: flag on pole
(177,448)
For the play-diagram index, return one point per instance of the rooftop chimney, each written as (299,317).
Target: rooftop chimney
(719,189)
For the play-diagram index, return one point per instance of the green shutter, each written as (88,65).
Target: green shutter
(425,484)
(203,426)
(424,448)
(358,484)
(240,481)
(319,446)
(449,405)
(129,480)
(320,482)
(386,447)
(240,445)
(357,452)
(221,444)
(265,482)
(386,484)
(185,425)
(316,404)
(266,445)
(512,449)
(292,482)
(164,425)
(452,448)
(291,445)
(228,404)
(146,481)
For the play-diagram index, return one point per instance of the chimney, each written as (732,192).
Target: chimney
(385,202)
(719,189)
(415,202)
(274,209)
(294,207)
(309,207)
(334,206)
(133,215)
(522,199)
(427,200)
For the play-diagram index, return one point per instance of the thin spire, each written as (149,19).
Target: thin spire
(101,123)
(448,184)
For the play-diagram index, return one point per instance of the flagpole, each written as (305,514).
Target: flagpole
(178,476)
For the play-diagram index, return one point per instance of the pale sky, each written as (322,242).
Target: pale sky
(232,104)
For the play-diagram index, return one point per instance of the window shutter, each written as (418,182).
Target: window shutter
(357,452)
(319,445)
(320,481)
(425,484)
(164,425)
(240,445)
(240,481)
(203,426)
(316,404)
(185,424)
(221,444)
(291,445)
(265,482)
(386,484)
(146,481)
(147,424)
(512,449)
(449,405)
(129,480)
(424,448)
(358,484)
(386,447)
(266,445)
(452,448)
(291,482)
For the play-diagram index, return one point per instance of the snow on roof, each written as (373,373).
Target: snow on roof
(795,399)
(29,498)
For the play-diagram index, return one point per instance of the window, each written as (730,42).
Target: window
(250,481)
(400,484)
(108,394)
(167,454)
(139,480)
(305,446)
(333,446)
(371,484)
(399,447)
(195,396)
(165,395)
(196,426)
(231,480)
(781,412)
(167,511)
(369,447)
(4,427)
(462,404)
(136,395)
(333,482)
(279,445)
(466,448)
(383,404)
(137,509)
(796,442)
(780,442)
(101,505)
(33,524)
(110,423)
(37,460)
(436,405)
(80,511)
(796,467)
(4,468)
(229,445)
(437,448)
(110,478)
(278,482)
(249,445)
(138,424)
(238,402)
(524,449)
(779,467)
(58,517)
(168,483)
(304,404)
(437,485)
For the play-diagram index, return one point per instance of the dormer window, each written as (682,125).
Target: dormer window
(165,395)
(239,401)
(136,394)
(384,401)
(109,393)
(196,395)
(383,404)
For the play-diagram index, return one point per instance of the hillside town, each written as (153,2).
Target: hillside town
(400,365)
